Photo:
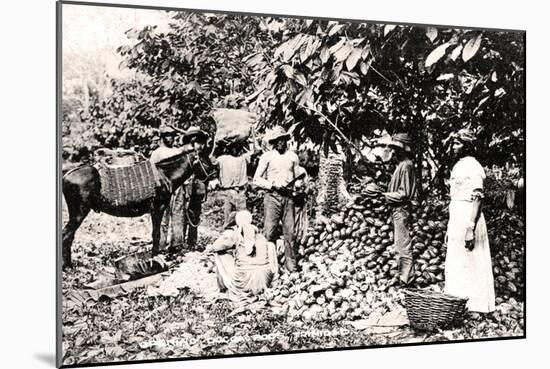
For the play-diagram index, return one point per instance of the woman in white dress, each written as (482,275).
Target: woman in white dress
(468,269)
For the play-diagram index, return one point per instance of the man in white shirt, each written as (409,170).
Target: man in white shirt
(276,170)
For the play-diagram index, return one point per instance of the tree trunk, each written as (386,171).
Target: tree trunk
(419,156)
(332,193)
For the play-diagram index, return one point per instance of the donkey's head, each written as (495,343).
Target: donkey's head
(180,167)
(203,169)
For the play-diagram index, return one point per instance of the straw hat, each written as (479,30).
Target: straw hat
(401,140)
(194,132)
(276,133)
(167,131)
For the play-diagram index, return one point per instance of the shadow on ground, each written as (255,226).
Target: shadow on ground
(46,358)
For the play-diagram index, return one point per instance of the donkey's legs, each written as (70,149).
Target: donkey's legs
(79,190)
(77,214)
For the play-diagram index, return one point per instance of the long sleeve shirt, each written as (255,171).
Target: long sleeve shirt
(275,169)
(402,186)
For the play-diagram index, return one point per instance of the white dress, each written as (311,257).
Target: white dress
(468,274)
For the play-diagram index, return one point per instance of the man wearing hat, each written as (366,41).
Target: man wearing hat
(166,150)
(276,170)
(194,188)
(166,147)
(401,191)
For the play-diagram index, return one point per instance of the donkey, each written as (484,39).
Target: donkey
(82,185)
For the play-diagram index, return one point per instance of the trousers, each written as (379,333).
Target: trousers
(192,219)
(172,225)
(403,243)
(234,200)
(279,208)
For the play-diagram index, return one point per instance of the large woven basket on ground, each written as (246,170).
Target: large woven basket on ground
(429,310)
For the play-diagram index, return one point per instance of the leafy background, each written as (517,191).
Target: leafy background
(330,82)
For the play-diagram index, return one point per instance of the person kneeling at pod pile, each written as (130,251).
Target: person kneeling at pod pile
(246,262)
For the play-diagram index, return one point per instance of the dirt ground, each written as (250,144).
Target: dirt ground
(139,326)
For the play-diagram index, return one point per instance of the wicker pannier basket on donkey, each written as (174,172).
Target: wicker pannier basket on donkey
(126,177)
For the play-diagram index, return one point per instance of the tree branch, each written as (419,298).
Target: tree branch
(342,135)
(380,74)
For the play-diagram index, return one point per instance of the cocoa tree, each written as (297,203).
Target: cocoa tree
(332,82)
(199,64)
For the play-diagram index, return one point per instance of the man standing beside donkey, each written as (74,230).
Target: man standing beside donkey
(180,221)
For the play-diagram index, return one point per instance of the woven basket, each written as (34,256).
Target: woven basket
(128,185)
(429,310)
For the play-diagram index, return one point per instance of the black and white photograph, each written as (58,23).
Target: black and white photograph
(239,184)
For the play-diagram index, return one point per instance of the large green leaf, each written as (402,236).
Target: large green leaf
(284,47)
(343,52)
(388,28)
(366,52)
(311,47)
(304,48)
(299,77)
(325,54)
(334,48)
(352,59)
(431,33)
(471,48)
(456,52)
(335,29)
(293,47)
(365,66)
(436,54)
(288,71)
